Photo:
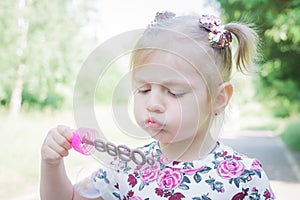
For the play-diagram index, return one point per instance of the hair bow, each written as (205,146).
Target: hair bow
(218,37)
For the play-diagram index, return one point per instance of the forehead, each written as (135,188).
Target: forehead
(167,65)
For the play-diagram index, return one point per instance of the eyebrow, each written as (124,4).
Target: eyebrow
(168,82)
(174,82)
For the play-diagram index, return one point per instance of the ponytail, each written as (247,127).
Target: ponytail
(247,45)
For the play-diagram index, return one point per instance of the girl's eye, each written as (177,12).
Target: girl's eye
(176,94)
(143,90)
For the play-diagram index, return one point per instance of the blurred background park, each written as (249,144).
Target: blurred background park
(44,43)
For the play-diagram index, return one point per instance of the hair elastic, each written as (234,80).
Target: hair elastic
(218,36)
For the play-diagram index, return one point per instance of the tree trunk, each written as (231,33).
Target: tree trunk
(16,96)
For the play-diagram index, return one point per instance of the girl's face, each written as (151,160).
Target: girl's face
(171,99)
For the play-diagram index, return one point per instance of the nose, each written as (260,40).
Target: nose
(155,108)
(155,102)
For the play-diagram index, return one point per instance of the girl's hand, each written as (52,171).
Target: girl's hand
(56,145)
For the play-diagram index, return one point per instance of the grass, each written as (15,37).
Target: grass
(291,135)
(21,139)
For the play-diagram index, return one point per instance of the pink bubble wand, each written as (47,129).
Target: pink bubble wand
(81,138)
(85,141)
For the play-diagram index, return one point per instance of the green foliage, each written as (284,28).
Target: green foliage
(291,135)
(51,57)
(278,21)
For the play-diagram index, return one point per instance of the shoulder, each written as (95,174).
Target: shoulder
(227,153)
(232,164)
(243,173)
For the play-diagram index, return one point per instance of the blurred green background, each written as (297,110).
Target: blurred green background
(42,47)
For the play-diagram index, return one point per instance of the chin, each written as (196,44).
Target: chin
(160,137)
(163,139)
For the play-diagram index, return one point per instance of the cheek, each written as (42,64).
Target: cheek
(190,107)
(193,111)
(190,118)
(138,108)
(185,113)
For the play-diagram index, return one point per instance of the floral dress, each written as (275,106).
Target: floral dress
(223,174)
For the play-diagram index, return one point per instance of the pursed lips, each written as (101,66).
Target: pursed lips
(153,124)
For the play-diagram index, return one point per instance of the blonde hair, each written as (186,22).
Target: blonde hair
(183,27)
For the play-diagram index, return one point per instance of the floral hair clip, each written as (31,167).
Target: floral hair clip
(218,37)
(161,16)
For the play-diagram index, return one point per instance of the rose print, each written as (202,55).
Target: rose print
(256,166)
(164,160)
(159,192)
(132,180)
(175,163)
(267,194)
(177,196)
(230,168)
(237,157)
(130,193)
(241,195)
(135,198)
(169,179)
(223,154)
(254,190)
(130,196)
(148,173)
(194,170)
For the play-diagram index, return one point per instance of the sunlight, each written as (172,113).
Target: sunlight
(137,14)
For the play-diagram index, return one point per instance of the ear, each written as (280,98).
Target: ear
(223,96)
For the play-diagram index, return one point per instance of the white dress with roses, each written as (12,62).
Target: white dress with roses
(223,174)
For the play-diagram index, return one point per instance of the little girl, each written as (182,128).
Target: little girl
(181,69)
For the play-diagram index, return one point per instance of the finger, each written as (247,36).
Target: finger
(56,141)
(61,141)
(58,138)
(65,131)
(51,156)
(59,149)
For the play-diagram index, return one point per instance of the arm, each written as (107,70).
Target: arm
(54,183)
